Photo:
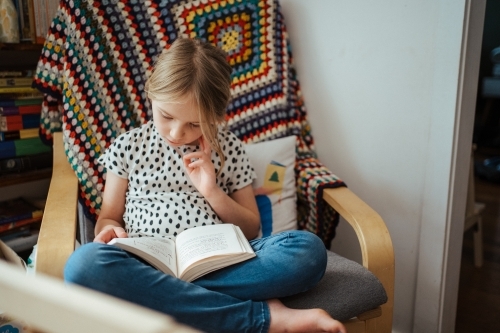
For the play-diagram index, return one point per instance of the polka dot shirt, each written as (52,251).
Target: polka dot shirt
(161,201)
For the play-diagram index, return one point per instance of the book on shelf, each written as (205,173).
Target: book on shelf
(16,81)
(25,19)
(44,12)
(21,99)
(194,252)
(19,134)
(21,109)
(25,163)
(19,122)
(7,228)
(23,147)
(17,209)
(19,90)
(11,73)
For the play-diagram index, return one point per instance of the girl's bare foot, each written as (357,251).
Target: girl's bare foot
(288,320)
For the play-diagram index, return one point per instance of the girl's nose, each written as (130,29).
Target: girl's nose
(176,132)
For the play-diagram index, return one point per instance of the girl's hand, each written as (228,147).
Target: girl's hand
(109,232)
(200,169)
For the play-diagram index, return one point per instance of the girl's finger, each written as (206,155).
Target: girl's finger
(191,157)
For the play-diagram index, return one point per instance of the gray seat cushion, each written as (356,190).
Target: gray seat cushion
(346,290)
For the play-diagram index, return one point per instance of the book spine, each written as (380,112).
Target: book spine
(21,223)
(10,73)
(25,18)
(10,219)
(7,149)
(28,101)
(31,146)
(19,122)
(11,123)
(31,11)
(9,136)
(16,82)
(30,109)
(21,109)
(9,110)
(7,102)
(23,147)
(15,90)
(26,163)
(30,120)
(20,134)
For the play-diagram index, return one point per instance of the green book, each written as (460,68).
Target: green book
(30,146)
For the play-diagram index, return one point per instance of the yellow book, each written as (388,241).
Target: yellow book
(16,90)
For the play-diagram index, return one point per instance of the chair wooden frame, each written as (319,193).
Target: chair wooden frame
(58,234)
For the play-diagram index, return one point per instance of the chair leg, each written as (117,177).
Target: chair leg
(478,242)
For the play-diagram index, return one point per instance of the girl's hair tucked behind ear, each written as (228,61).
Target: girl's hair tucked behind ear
(192,67)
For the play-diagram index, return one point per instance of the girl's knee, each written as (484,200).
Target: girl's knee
(85,263)
(313,254)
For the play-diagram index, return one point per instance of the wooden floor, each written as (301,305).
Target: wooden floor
(478,307)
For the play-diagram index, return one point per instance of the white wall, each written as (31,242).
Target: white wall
(380,82)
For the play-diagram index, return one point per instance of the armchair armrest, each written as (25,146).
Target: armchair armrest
(48,305)
(375,242)
(57,236)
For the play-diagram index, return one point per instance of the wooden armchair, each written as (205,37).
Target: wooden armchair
(93,69)
(59,227)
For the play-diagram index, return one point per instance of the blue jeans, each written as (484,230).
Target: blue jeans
(228,300)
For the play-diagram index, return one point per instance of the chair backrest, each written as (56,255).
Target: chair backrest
(98,55)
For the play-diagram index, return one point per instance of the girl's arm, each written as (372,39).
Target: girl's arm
(110,222)
(239,208)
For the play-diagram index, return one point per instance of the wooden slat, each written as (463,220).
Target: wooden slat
(375,242)
(49,305)
(58,231)
(355,326)
(370,314)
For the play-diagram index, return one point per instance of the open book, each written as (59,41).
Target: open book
(194,253)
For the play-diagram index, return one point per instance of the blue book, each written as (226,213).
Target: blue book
(31,120)
(7,102)
(7,149)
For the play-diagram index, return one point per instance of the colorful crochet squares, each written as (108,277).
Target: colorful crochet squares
(98,55)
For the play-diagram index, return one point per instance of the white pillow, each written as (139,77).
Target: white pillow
(274,187)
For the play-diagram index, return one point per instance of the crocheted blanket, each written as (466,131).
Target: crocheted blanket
(98,54)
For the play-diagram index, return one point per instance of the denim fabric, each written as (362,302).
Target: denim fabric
(228,300)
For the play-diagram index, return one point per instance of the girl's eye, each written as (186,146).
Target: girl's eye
(195,125)
(166,117)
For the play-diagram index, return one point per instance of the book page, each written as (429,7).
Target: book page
(203,242)
(159,252)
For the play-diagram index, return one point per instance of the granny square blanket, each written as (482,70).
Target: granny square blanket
(98,54)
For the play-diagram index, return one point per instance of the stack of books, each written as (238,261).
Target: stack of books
(20,221)
(21,148)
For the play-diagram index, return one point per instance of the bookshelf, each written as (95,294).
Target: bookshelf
(25,162)
(19,57)
(33,184)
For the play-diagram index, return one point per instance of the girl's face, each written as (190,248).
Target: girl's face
(178,123)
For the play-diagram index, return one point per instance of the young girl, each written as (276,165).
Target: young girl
(180,171)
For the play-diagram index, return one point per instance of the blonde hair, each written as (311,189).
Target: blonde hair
(192,67)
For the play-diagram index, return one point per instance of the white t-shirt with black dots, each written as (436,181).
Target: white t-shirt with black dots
(161,201)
